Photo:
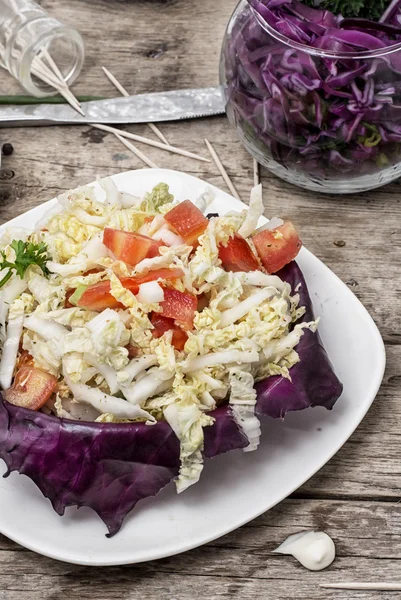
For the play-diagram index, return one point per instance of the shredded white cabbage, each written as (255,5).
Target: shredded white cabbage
(168,237)
(256,210)
(146,387)
(150,292)
(243,331)
(221,358)
(137,366)
(10,350)
(48,330)
(14,288)
(105,403)
(243,402)
(187,422)
(239,311)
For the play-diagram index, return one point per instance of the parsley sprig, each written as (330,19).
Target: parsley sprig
(367,9)
(26,254)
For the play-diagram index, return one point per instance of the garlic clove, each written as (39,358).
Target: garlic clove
(315,550)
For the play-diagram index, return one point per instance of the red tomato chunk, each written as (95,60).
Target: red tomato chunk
(163,324)
(31,389)
(237,255)
(278,247)
(187,221)
(180,306)
(98,296)
(131,248)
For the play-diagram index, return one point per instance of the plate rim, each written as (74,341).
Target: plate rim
(185,547)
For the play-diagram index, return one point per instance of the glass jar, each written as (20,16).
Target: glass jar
(324,121)
(26,29)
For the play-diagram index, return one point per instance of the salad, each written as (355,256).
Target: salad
(143,333)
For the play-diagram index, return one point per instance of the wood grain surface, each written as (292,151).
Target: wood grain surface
(154,45)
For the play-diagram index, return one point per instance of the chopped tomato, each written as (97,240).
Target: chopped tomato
(237,255)
(95,297)
(31,389)
(278,247)
(98,296)
(133,351)
(187,221)
(163,324)
(71,292)
(180,306)
(131,248)
(179,339)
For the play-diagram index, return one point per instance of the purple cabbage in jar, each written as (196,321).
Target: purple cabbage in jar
(323,116)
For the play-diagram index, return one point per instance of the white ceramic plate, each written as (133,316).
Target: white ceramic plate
(234,488)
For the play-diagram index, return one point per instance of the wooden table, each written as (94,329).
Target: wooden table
(167,44)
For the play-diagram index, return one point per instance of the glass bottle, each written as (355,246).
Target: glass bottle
(25,30)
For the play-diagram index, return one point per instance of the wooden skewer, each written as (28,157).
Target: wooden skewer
(40,67)
(149,142)
(137,152)
(222,170)
(124,92)
(390,587)
(57,71)
(44,57)
(47,76)
(115,82)
(69,96)
(60,89)
(256,175)
(159,134)
(55,77)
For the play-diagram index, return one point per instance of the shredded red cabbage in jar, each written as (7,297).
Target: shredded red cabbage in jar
(327,116)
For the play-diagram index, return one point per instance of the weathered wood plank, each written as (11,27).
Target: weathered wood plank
(165,44)
(150,45)
(368,262)
(369,463)
(367,536)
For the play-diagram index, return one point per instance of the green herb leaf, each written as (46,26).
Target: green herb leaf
(26,254)
(366,9)
(373,139)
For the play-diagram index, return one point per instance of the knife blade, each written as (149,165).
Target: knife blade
(142,108)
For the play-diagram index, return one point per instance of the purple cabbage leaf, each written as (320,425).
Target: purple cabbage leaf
(283,94)
(313,381)
(110,467)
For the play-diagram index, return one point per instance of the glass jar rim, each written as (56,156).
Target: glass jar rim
(363,55)
(59,32)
